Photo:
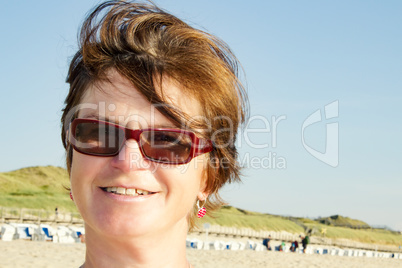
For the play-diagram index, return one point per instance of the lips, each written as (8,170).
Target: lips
(126,191)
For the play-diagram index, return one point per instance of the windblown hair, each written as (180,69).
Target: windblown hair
(144,43)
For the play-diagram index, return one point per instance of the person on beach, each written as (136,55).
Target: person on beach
(149,127)
(305,242)
(294,246)
(267,242)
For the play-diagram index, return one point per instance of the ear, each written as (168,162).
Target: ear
(66,137)
(203,193)
(202,196)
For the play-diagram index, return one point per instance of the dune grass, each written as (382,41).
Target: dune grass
(376,236)
(36,188)
(337,220)
(233,217)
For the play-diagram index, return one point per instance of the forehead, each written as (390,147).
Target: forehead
(117,99)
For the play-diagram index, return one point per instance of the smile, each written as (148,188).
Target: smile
(126,191)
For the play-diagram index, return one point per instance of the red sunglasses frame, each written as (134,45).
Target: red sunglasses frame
(199,146)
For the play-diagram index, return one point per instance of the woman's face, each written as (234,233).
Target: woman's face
(172,189)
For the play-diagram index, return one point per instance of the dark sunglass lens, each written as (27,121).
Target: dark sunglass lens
(98,138)
(166,146)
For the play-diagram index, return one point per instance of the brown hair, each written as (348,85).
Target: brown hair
(144,43)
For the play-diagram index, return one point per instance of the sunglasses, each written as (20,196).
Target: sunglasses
(161,145)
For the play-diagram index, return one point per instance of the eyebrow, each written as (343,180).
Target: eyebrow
(107,119)
(97,117)
(165,126)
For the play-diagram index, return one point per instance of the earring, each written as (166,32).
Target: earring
(71,196)
(201,210)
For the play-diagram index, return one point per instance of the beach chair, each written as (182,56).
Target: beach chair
(259,247)
(369,254)
(199,244)
(188,243)
(250,244)
(206,246)
(7,232)
(214,245)
(217,245)
(340,252)
(47,232)
(318,251)
(195,244)
(64,234)
(387,255)
(37,233)
(76,233)
(234,246)
(22,231)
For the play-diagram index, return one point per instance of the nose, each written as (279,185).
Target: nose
(130,157)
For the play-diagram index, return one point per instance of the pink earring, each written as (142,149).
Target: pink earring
(201,210)
(71,196)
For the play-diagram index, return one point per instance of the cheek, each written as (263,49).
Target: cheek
(186,180)
(77,176)
(199,170)
(83,169)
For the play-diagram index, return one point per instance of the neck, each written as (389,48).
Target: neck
(162,249)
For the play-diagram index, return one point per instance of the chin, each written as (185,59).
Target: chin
(125,225)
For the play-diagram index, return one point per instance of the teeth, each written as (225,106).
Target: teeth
(121,190)
(124,191)
(130,192)
(142,192)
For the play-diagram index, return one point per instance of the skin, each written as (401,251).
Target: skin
(139,231)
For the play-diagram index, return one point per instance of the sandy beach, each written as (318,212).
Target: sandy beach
(22,253)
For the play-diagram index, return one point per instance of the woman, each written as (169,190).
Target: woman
(149,127)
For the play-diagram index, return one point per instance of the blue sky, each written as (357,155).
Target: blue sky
(298,56)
